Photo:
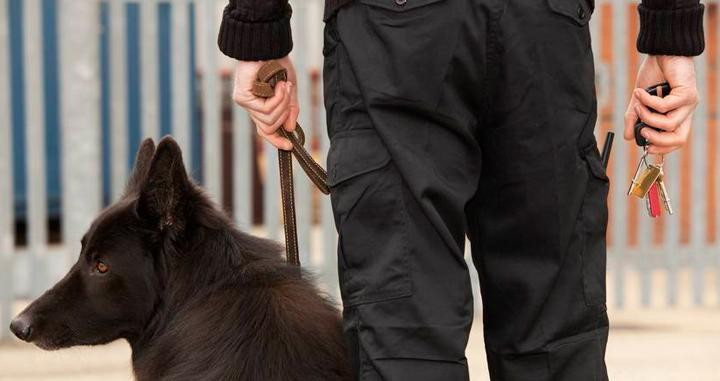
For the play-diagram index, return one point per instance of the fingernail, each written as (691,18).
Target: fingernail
(644,133)
(637,109)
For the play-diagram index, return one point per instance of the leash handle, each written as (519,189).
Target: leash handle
(268,76)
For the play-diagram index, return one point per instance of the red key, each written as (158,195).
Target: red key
(654,201)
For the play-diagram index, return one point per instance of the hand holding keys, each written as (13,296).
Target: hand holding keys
(647,183)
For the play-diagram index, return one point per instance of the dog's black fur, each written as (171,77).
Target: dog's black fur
(195,298)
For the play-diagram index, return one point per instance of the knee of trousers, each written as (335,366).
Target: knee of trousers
(579,356)
(397,340)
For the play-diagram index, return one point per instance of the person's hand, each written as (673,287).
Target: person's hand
(678,106)
(281,110)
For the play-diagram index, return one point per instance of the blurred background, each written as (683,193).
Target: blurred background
(82,82)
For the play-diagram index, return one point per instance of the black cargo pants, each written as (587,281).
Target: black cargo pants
(455,118)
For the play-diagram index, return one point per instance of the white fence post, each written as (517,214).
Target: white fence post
(672,230)
(180,86)
(80,87)
(619,200)
(35,142)
(118,98)
(207,47)
(243,142)
(303,190)
(149,68)
(698,238)
(7,207)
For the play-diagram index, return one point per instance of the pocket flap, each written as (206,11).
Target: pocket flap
(594,162)
(353,153)
(399,5)
(578,10)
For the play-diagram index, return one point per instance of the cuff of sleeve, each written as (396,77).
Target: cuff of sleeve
(255,40)
(677,32)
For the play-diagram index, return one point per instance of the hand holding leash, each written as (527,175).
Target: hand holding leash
(269,76)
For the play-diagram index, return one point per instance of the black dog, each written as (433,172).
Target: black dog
(196,299)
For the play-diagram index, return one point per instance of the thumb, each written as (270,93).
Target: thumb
(291,121)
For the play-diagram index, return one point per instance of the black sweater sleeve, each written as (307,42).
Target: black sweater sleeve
(255,30)
(671,27)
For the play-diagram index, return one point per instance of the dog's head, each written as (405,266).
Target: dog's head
(113,289)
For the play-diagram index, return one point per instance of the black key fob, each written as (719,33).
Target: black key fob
(639,125)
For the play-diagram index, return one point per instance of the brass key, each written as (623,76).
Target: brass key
(647,178)
(638,170)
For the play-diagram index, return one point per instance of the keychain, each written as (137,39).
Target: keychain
(648,181)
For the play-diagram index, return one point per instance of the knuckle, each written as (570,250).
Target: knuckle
(270,119)
(266,128)
(266,119)
(266,109)
(238,98)
(665,125)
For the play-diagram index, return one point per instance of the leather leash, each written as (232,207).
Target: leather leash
(268,76)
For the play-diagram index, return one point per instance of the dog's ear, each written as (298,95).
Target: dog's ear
(164,192)
(142,165)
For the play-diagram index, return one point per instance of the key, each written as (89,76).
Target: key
(638,170)
(647,178)
(653,201)
(664,194)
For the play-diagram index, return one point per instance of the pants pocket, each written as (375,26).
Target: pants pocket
(594,216)
(370,215)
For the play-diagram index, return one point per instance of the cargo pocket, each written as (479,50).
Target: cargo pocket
(366,193)
(594,215)
(406,42)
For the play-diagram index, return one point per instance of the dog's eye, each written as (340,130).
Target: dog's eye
(101,267)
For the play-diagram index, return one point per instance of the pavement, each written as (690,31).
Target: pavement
(659,344)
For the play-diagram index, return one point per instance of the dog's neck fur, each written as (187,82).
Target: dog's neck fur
(218,260)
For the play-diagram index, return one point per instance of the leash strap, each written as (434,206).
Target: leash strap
(268,76)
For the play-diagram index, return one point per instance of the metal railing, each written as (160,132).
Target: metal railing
(128,69)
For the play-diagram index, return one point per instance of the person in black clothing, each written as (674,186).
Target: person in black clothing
(455,118)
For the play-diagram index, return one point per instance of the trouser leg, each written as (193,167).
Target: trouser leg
(538,221)
(401,169)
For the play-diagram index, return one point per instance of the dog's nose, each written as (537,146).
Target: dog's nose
(21,326)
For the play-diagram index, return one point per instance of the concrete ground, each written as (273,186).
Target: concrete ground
(655,345)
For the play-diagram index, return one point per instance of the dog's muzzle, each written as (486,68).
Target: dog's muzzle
(21,327)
